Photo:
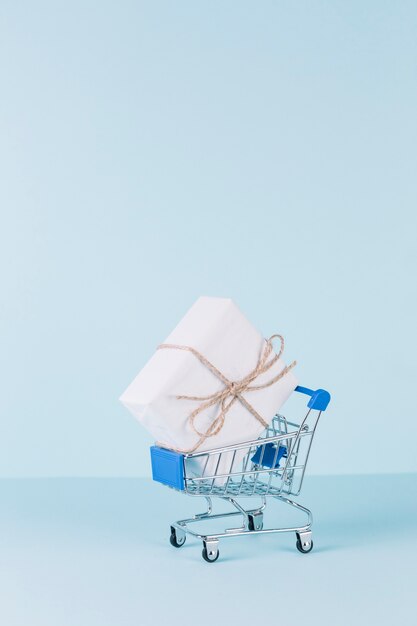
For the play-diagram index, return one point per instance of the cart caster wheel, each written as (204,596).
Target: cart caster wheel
(210,554)
(304,547)
(176,541)
(255,522)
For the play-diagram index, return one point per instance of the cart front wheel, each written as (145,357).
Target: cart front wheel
(210,554)
(304,547)
(175,540)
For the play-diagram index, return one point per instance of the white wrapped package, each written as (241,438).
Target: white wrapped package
(218,332)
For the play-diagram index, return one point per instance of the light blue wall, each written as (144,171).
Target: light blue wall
(152,152)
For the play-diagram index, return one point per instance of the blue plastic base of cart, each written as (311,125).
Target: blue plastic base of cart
(167,467)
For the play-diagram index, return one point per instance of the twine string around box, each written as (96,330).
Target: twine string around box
(231,391)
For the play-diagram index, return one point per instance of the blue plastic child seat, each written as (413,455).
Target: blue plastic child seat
(269,455)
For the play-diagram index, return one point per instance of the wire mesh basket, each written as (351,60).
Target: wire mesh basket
(271,466)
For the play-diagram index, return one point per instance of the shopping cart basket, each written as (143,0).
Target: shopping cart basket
(271,466)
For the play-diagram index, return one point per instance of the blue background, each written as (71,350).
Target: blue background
(154,152)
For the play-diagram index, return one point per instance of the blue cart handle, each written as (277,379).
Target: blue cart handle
(319,398)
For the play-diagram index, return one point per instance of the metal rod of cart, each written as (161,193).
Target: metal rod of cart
(272,466)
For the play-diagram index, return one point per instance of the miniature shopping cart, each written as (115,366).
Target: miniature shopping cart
(271,466)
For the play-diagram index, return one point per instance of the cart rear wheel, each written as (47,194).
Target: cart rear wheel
(176,541)
(303,547)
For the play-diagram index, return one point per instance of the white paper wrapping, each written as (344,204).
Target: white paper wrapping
(218,330)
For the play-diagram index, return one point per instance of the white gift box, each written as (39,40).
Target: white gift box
(217,329)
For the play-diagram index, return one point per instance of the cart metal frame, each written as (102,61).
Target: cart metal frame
(254,470)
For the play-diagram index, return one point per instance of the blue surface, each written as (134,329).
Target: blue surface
(167,467)
(96,552)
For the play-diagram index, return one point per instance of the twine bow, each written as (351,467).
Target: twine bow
(232,390)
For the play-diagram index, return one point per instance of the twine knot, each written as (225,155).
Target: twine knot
(236,389)
(232,390)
